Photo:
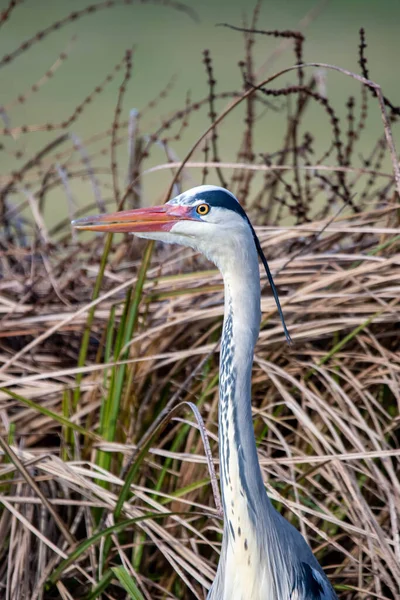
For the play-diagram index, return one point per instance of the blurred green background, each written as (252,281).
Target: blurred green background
(169,43)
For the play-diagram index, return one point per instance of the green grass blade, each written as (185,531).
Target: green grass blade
(67,437)
(125,332)
(52,415)
(89,321)
(85,545)
(127,582)
(108,576)
(103,459)
(181,492)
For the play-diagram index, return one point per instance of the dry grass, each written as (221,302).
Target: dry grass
(105,345)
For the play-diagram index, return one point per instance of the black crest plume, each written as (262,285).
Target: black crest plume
(270,279)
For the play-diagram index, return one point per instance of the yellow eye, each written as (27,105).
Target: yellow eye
(203,209)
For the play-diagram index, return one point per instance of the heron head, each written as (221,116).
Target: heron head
(207,218)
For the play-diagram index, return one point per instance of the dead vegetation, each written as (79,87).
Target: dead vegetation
(105,345)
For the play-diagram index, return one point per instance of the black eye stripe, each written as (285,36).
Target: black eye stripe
(221,199)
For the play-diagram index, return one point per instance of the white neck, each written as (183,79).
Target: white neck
(243,491)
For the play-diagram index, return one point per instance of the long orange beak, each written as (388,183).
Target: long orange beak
(155,218)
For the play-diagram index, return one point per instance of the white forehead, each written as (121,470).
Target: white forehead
(194,195)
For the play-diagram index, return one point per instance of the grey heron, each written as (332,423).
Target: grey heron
(263,557)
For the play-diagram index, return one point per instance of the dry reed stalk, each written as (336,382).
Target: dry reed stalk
(326,412)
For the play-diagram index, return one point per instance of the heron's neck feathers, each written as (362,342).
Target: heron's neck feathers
(241,481)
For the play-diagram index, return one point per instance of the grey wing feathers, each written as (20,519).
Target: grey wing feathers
(311,584)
